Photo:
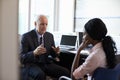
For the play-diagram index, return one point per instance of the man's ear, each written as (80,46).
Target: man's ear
(35,23)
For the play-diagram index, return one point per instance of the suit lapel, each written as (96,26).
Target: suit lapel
(35,38)
(44,38)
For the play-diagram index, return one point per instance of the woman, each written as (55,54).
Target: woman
(102,53)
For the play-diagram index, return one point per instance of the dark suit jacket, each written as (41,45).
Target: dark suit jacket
(29,43)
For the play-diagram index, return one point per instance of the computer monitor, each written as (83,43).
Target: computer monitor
(69,40)
(80,36)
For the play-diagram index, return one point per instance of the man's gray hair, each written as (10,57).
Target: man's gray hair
(38,16)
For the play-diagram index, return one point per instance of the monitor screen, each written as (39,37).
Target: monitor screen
(68,40)
(80,36)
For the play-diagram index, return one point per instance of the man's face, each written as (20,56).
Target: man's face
(41,25)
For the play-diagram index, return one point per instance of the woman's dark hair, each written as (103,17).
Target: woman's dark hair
(110,50)
(97,30)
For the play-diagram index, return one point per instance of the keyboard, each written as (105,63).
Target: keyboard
(67,48)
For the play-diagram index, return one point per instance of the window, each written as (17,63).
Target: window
(45,7)
(28,9)
(60,14)
(107,10)
(23,16)
(66,15)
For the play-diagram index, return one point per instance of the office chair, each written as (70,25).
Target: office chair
(64,78)
(107,74)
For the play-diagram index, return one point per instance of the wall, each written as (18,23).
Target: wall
(8,39)
(0,36)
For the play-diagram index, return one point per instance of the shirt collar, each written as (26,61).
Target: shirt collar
(98,45)
(38,35)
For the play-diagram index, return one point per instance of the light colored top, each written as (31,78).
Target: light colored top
(96,58)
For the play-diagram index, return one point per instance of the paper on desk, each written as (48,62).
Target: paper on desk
(85,52)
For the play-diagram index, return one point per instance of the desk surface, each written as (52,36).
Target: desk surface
(84,52)
(67,57)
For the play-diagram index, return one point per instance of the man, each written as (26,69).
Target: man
(37,47)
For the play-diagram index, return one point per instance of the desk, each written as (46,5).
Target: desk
(67,57)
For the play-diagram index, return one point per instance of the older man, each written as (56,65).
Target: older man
(37,46)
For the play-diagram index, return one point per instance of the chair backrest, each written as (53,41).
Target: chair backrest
(107,74)
(64,78)
(117,68)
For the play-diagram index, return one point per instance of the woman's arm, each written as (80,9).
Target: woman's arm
(75,62)
(77,57)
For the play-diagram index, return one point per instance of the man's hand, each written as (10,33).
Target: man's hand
(39,50)
(56,49)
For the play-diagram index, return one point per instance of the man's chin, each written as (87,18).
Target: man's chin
(43,32)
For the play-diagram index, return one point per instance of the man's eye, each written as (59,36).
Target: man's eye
(43,24)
